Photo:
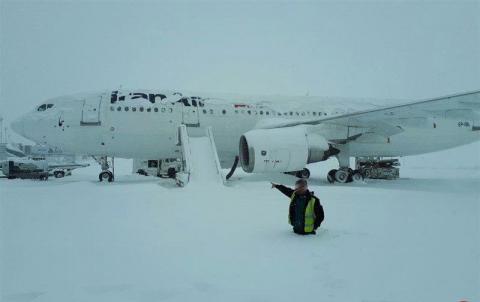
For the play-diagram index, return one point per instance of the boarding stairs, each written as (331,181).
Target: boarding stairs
(199,157)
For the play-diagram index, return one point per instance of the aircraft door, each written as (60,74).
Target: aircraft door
(91,111)
(190,116)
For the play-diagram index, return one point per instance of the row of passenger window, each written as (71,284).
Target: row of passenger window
(141,109)
(261,112)
(210,111)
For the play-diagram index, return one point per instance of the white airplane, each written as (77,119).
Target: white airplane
(267,136)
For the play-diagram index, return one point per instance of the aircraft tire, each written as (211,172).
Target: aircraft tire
(105,175)
(304,174)
(341,176)
(59,174)
(331,176)
(357,176)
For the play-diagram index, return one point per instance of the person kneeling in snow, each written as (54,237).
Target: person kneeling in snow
(305,213)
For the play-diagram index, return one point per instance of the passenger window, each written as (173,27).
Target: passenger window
(126,108)
(163,109)
(261,112)
(155,109)
(170,110)
(119,108)
(267,113)
(112,108)
(211,111)
(134,109)
(314,113)
(224,111)
(149,109)
(42,107)
(194,103)
(249,112)
(204,111)
(49,106)
(141,109)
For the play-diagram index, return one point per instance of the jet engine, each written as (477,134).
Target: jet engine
(282,149)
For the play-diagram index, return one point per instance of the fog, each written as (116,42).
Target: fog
(355,49)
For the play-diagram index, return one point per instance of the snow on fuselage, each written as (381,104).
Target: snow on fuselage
(144,124)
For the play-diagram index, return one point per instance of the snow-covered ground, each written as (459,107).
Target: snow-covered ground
(143,239)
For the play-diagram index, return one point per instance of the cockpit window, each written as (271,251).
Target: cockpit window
(44,107)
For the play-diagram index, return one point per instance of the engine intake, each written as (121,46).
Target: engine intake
(282,149)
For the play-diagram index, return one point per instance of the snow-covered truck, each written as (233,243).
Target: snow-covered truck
(37,168)
(167,167)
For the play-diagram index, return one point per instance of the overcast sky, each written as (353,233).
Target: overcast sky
(366,49)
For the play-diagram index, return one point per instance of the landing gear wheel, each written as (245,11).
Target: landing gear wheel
(59,174)
(106,175)
(331,176)
(357,176)
(341,176)
(305,174)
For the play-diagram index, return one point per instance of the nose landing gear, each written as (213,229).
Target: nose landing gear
(304,173)
(106,174)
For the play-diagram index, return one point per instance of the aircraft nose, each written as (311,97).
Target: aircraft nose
(18,126)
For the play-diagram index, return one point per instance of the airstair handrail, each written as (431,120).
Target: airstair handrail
(185,144)
(215,154)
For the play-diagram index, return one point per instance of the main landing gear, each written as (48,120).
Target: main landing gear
(344,175)
(374,168)
(106,174)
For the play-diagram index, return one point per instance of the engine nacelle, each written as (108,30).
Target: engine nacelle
(282,149)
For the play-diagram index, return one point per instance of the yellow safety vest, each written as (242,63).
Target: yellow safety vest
(309,214)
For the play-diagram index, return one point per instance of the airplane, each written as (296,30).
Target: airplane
(265,136)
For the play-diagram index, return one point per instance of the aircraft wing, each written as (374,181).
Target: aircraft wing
(383,120)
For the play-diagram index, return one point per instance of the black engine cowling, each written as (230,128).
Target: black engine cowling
(282,149)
